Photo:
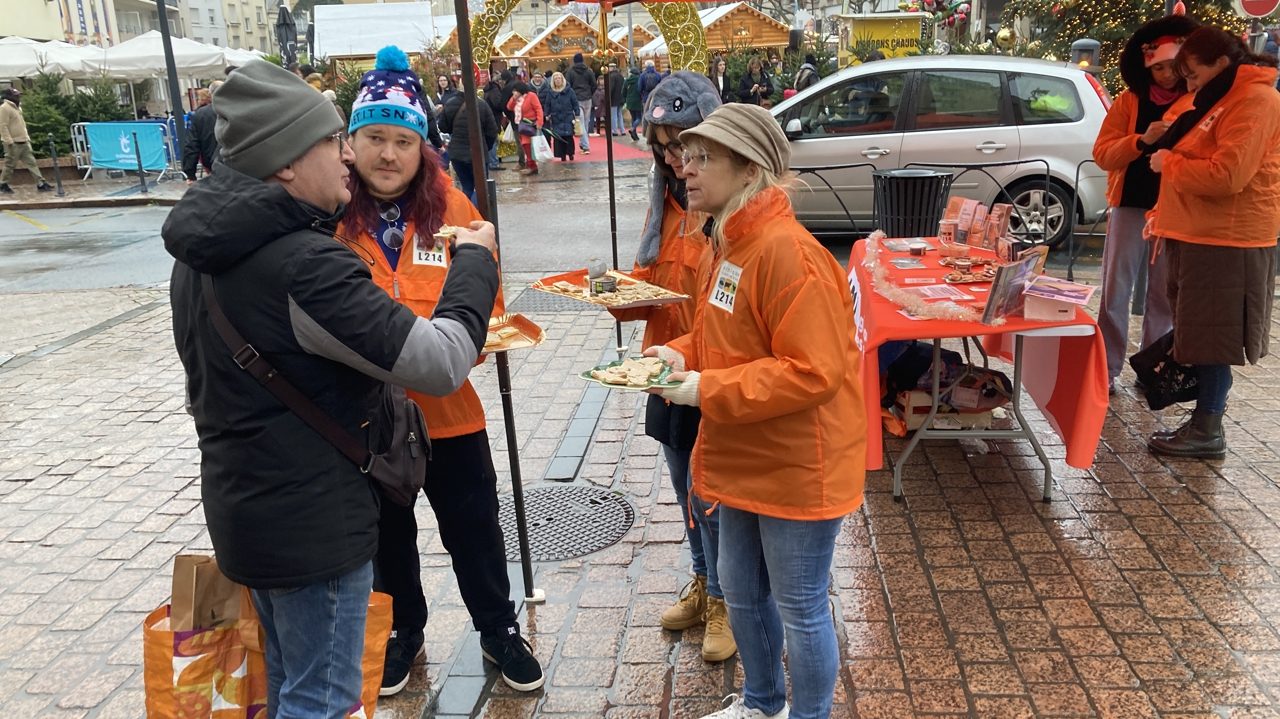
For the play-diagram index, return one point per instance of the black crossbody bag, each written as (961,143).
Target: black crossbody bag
(400,470)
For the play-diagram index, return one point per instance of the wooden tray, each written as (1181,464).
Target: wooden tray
(659,381)
(578,278)
(529,334)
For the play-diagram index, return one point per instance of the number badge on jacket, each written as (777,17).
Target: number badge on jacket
(434,255)
(725,290)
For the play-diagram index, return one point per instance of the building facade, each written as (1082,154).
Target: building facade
(81,22)
(135,17)
(208,23)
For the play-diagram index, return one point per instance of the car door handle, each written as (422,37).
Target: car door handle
(990,147)
(874,152)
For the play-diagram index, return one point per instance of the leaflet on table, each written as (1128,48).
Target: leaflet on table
(1006,289)
(938,292)
(1052,288)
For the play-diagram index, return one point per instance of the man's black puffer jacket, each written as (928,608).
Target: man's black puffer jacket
(283,507)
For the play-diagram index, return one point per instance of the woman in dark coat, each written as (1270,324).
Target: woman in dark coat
(755,84)
(560,103)
(719,77)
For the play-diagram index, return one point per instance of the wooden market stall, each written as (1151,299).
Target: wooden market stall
(567,36)
(509,44)
(641,36)
(729,26)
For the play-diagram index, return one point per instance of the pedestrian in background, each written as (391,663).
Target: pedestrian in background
(202,144)
(288,514)
(755,84)
(773,362)
(527,112)
(649,79)
(17,143)
(720,79)
(583,81)
(807,76)
(560,108)
(599,106)
(509,81)
(453,121)
(1218,215)
(615,98)
(634,105)
(498,106)
(671,247)
(538,83)
(400,198)
(1124,147)
(445,89)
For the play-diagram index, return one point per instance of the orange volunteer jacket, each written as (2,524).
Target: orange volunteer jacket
(416,283)
(1117,144)
(783,429)
(676,269)
(1220,184)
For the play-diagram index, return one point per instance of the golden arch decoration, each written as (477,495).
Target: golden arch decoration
(679,22)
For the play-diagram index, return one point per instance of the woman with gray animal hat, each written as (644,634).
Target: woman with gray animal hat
(670,250)
(774,366)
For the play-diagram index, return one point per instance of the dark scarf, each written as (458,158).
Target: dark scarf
(1206,98)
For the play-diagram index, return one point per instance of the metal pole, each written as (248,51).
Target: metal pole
(531,593)
(57,173)
(142,174)
(605,7)
(175,92)
(631,39)
(479,163)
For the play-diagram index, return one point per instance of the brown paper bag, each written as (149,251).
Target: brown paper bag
(202,596)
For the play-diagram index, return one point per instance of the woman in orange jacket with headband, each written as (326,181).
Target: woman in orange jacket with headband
(1217,218)
(670,249)
(773,364)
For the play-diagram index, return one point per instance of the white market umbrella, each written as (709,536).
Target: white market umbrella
(237,58)
(20,57)
(143,57)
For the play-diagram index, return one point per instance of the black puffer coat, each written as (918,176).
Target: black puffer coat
(284,508)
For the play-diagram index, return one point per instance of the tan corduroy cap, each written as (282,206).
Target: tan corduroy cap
(750,131)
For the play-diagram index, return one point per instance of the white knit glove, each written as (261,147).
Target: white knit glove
(686,392)
(671,357)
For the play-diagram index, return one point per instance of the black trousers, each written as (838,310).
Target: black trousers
(463,491)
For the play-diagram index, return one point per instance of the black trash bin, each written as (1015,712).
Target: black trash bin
(909,202)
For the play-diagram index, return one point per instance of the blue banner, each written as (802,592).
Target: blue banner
(111,145)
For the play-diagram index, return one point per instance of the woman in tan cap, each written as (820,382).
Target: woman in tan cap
(774,367)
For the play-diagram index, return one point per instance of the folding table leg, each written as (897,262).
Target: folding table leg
(1022,421)
(924,428)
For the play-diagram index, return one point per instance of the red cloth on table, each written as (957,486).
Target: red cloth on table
(1065,376)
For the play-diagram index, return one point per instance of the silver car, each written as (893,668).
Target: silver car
(952,109)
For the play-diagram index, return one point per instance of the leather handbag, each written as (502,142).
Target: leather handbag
(400,467)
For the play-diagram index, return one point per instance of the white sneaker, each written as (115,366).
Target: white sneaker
(738,710)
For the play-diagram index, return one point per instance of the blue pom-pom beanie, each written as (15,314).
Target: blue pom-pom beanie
(390,94)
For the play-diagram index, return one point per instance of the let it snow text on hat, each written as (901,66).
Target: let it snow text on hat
(390,95)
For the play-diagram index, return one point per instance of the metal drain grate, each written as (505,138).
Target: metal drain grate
(566,522)
(538,301)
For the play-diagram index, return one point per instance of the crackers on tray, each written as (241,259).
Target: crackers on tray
(629,291)
(633,372)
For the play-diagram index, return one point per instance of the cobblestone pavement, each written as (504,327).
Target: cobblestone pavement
(1147,589)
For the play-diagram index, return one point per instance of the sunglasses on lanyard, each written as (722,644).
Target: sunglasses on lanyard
(393,237)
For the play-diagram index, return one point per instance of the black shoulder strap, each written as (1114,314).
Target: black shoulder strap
(248,359)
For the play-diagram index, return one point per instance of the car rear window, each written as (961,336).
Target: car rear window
(1041,99)
(950,99)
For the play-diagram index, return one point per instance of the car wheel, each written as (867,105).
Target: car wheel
(1039,213)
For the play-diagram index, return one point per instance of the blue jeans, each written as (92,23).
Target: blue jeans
(705,537)
(1213,382)
(616,114)
(636,118)
(493,156)
(315,638)
(757,553)
(466,178)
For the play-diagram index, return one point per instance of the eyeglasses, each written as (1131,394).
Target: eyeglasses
(702,159)
(393,236)
(673,148)
(338,138)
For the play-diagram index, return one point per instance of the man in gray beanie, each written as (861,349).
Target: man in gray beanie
(289,515)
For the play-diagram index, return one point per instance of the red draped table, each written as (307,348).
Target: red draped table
(1061,365)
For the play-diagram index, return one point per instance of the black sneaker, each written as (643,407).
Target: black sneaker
(401,653)
(44,187)
(6,189)
(514,656)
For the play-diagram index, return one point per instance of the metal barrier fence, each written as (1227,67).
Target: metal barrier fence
(84,153)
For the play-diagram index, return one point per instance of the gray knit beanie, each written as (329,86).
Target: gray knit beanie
(268,117)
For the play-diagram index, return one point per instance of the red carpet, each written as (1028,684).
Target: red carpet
(623,149)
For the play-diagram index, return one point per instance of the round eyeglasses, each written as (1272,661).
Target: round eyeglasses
(393,236)
(701,158)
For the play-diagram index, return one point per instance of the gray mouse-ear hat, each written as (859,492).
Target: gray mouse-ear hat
(682,100)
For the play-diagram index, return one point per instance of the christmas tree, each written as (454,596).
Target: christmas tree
(1055,24)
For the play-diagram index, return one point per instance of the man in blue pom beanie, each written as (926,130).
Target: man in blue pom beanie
(391,94)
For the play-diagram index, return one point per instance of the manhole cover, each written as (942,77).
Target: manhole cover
(538,301)
(566,522)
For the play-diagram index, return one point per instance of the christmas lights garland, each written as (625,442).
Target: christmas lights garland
(909,301)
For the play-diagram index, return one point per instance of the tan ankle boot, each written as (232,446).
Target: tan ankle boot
(717,644)
(689,608)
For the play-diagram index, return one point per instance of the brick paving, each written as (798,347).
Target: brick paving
(1147,589)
